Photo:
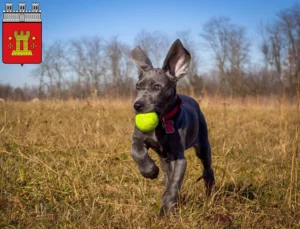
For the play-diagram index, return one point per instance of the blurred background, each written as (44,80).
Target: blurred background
(239,48)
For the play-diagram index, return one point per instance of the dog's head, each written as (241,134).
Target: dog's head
(156,87)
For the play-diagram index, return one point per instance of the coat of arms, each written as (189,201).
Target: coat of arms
(22,35)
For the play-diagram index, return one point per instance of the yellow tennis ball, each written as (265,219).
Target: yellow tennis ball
(146,122)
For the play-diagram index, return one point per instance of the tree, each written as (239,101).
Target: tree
(238,48)
(229,46)
(216,33)
(39,73)
(6,91)
(281,46)
(119,67)
(86,60)
(118,61)
(59,65)
(289,26)
(53,69)
(193,80)
(19,94)
(155,45)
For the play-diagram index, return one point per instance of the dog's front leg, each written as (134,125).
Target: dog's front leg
(166,167)
(146,165)
(169,198)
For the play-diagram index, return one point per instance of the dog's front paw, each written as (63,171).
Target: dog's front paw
(167,208)
(151,172)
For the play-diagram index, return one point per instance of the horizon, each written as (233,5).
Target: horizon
(70,20)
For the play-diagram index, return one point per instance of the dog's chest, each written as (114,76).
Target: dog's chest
(159,142)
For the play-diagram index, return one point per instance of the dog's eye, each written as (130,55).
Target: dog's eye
(138,87)
(157,87)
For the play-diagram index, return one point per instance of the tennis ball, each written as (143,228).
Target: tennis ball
(146,122)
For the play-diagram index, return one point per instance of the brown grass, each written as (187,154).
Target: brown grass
(68,165)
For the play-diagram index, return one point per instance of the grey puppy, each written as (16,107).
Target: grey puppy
(181,125)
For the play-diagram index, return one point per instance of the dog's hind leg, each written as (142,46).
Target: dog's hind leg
(203,152)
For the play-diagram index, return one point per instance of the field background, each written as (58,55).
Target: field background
(68,165)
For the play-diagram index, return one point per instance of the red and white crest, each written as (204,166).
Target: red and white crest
(22,35)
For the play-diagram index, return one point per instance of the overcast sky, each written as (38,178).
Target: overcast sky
(67,19)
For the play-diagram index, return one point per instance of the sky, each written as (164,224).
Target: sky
(69,19)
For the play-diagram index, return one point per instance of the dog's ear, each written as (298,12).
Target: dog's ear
(177,60)
(140,59)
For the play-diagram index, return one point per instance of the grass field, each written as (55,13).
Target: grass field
(68,165)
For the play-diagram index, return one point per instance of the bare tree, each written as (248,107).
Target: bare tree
(6,91)
(119,67)
(144,40)
(272,49)
(53,69)
(59,65)
(118,61)
(48,67)
(216,33)
(86,60)
(238,48)
(40,73)
(154,44)
(18,94)
(230,48)
(264,45)
(160,45)
(281,46)
(193,80)
(289,26)
(276,44)
(188,42)
(114,54)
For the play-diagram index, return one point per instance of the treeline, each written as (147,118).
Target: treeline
(91,66)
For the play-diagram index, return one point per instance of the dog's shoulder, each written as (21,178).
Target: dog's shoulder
(189,103)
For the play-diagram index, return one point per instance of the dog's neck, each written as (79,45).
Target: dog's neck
(172,104)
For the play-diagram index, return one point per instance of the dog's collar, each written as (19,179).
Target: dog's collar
(166,119)
(174,111)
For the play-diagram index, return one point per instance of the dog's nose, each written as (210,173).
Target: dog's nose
(138,106)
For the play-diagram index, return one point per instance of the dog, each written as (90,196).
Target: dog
(181,124)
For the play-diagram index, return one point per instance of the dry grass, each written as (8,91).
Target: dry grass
(68,165)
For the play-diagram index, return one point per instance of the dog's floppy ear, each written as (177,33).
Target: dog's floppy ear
(177,60)
(140,59)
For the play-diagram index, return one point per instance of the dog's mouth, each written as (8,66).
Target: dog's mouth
(158,111)
(144,110)
(147,110)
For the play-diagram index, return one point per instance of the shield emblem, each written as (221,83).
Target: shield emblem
(22,35)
